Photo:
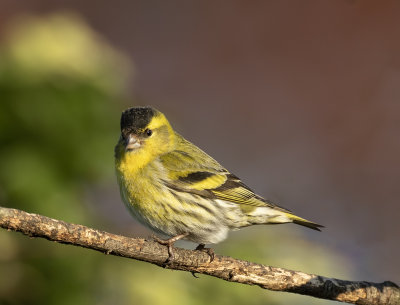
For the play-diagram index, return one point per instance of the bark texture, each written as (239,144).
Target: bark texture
(226,268)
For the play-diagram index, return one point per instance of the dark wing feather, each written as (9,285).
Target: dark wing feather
(191,170)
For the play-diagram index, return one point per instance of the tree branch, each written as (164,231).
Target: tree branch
(223,267)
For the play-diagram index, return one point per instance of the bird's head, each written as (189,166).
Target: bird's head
(145,134)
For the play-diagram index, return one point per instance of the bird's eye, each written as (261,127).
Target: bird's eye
(148,132)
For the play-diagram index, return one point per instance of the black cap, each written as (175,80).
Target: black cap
(136,118)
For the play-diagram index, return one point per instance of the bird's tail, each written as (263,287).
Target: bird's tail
(303,222)
(277,215)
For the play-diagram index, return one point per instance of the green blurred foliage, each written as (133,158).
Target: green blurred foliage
(59,87)
(61,92)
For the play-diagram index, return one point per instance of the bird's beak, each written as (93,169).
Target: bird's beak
(132,142)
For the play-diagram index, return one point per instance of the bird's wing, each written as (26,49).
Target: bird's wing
(189,169)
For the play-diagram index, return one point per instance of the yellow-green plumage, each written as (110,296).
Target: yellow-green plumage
(175,188)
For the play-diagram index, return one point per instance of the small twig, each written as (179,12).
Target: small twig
(226,268)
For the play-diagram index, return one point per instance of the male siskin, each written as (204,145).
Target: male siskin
(176,189)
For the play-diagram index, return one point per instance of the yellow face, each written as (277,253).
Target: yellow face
(145,135)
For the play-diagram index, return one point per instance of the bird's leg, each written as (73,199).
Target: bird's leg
(169,243)
(209,251)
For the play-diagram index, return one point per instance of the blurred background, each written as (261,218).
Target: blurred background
(298,98)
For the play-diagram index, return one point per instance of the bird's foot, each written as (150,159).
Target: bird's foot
(169,243)
(209,251)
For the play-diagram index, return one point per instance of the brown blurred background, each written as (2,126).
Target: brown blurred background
(298,98)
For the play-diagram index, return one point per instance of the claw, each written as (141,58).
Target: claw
(194,274)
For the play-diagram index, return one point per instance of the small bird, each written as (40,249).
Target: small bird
(175,188)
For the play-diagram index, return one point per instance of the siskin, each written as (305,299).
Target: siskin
(176,189)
